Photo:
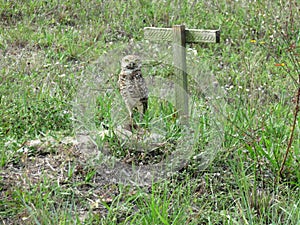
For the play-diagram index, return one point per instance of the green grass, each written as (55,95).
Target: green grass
(51,52)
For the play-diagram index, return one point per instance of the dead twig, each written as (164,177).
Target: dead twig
(297,102)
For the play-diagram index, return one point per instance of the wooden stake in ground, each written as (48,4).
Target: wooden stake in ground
(179,36)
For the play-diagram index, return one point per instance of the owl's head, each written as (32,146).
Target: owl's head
(131,62)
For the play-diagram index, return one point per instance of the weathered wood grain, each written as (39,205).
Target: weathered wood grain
(191,35)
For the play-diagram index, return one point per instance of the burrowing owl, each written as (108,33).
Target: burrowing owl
(132,85)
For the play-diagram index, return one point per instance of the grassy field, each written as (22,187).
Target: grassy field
(59,63)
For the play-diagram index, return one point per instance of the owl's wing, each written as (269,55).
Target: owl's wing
(140,86)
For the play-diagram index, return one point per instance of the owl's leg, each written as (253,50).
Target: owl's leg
(144,102)
(131,119)
(145,106)
(132,125)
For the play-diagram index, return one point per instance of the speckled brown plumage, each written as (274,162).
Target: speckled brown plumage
(132,85)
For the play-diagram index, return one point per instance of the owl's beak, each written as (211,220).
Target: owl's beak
(131,65)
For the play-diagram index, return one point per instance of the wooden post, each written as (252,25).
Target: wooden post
(179,61)
(180,36)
